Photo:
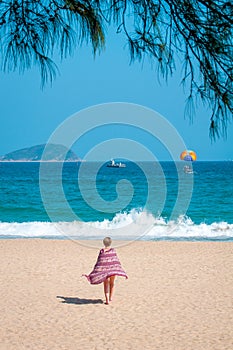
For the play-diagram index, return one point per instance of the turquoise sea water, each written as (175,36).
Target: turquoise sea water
(34,202)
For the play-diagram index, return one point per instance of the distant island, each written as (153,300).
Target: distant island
(54,153)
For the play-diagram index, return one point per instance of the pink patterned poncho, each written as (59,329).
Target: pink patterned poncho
(107,265)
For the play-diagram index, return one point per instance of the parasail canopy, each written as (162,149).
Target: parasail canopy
(188,155)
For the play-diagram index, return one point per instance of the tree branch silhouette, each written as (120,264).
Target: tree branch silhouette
(199,33)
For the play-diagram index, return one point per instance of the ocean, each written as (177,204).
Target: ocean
(145,201)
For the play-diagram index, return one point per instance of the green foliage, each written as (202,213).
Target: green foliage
(32,30)
(197,32)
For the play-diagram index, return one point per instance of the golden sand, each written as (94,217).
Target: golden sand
(179,296)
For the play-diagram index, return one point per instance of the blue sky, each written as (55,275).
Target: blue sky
(29,115)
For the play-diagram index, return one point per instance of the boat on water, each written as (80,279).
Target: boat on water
(115,165)
(188,170)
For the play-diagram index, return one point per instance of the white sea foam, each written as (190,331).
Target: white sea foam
(133,225)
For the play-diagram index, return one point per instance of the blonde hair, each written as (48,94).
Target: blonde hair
(107,241)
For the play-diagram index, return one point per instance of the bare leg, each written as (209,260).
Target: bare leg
(106,290)
(111,285)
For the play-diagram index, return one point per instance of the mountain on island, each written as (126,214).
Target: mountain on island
(54,153)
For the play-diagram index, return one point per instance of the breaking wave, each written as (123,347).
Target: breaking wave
(137,224)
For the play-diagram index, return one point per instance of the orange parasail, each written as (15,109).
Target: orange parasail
(188,155)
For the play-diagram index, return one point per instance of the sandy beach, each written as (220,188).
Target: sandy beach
(178,296)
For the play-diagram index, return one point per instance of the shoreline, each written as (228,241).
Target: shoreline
(178,296)
(158,239)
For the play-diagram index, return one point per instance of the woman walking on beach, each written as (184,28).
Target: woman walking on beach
(106,269)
